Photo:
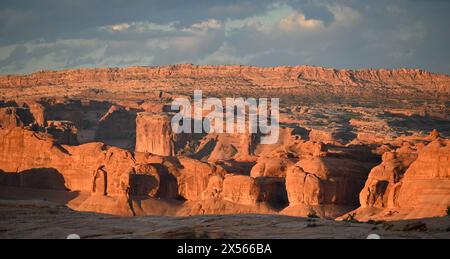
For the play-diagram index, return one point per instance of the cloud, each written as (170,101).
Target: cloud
(119,27)
(225,54)
(344,15)
(212,24)
(336,33)
(139,27)
(298,20)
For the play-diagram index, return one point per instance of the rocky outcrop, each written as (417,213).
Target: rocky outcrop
(241,189)
(272,167)
(325,185)
(276,160)
(64,132)
(303,188)
(190,174)
(193,178)
(382,186)
(11,117)
(218,147)
(427,181)
(38,161)
(84,168)
(154,135)
(329,137)
(37,110)
(412,182)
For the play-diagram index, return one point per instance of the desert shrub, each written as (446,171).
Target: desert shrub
(352,218)
(313,215)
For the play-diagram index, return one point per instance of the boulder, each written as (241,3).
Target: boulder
(327,186)
(193,178)
(271,167)
(303,188)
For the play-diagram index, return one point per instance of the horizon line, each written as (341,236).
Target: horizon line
(362,69)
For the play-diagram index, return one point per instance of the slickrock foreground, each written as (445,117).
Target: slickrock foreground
(100,140)
(18,219)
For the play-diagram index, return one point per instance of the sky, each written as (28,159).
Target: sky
(353,34)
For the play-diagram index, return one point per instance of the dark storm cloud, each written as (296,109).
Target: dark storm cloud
(29,19)
(57,34)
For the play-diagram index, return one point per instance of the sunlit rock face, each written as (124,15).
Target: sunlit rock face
(412,182)
(154,134)
(11,117)
(129,82)
(101,140)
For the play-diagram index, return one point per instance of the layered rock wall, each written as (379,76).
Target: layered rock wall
(412,182)
(325,81)
(154,134)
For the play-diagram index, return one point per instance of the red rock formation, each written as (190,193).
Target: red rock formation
(412,182)
(325,80)
(37,110)
(193,178)
(92,168)
(226,173)
(64,132)
(272,166)
(324,185)
(241,190)
(11,117)
(214,189)
(427,181)
(384,180)
(81,166)
(328,137)
(154,134)
(228,146)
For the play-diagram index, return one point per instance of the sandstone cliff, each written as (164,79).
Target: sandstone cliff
(300,80)
(37,161)
(412,182)
(154,135)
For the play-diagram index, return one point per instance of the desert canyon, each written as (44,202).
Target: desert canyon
(354,146)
